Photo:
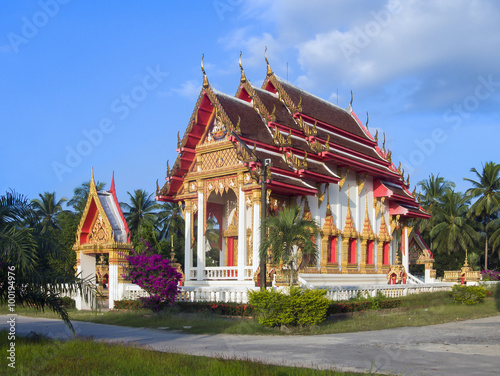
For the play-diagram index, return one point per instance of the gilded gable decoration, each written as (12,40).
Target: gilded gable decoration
(99,233)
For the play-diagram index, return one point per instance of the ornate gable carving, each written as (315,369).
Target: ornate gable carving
(99,233)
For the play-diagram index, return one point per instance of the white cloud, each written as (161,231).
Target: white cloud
(189,89)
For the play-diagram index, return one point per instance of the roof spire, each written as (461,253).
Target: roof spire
(243,78)
(349,108)
(205,80)
(269,70)
(112,188)
(367,120)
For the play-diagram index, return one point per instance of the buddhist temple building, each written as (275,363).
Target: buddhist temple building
(102,244)
(317,155)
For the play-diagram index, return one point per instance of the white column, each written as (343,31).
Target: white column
(201,238)
(337,202)
(87,268)
(188,251)
(256,236)
(406,257)
(113,285)
(242,236)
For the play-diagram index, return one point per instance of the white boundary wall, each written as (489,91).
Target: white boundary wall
(337,293)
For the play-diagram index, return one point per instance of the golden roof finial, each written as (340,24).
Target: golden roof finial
(367,119)
(399,168)
(383,144)
(269,70)
(205,80)
(179,142)
(376,136)
(168,169)
(243,78)
(466,258)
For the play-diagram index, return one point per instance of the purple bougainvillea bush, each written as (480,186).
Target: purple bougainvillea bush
(155,275)
(490,275)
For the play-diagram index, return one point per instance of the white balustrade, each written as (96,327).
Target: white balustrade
(226,273)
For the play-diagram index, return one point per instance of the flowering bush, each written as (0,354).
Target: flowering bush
(154,274)
(490,275)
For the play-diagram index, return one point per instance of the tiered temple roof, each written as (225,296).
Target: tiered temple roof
(308,140)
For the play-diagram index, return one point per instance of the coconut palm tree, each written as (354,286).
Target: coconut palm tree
(487,191)
(142,208)
(433,190)
(453,231)
(19,255)
(288,232)
(170,222)
(48,210)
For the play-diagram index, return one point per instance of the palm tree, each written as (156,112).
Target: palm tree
(142,208)
(48,210)
(170,221)
(19,255)
(494,227)
(288,232)
(17,243)
(453,231)
(487,191)
(433,190)
(80,195)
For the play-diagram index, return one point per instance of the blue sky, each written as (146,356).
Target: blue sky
(109,84)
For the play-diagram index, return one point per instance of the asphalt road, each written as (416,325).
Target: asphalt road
(459,348)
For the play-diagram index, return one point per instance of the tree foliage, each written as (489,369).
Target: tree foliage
(288,232)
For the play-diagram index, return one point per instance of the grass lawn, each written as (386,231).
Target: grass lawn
(416,310)
(40,356)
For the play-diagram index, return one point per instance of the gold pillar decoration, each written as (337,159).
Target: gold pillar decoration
(366,235)
(348,233)
(328,230)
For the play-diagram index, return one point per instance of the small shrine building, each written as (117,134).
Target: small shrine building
(316,155)
(102,233)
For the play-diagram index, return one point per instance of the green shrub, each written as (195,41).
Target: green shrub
(128,304)
(363,305)
(67,302)
(468,294)
(228,309)
(299,307)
